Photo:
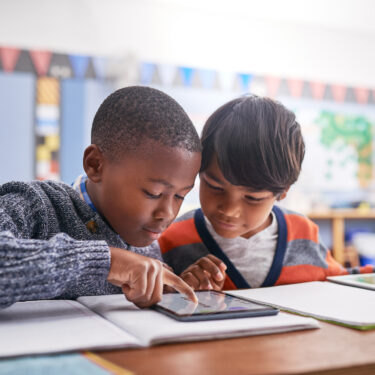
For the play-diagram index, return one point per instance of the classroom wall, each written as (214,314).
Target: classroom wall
(330,42)
(323,40)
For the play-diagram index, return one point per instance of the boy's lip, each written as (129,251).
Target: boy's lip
(225,225)
(153,233)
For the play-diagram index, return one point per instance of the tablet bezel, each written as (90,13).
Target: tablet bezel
(266,311)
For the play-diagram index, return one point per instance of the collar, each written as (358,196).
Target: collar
(80,186)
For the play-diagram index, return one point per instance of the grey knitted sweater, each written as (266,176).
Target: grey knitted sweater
(53,245)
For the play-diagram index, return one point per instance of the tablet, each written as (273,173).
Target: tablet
(365,280)
(211,305)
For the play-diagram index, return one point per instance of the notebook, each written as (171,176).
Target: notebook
(110,322)
(335,303)
(366,281)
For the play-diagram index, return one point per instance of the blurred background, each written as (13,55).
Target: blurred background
(60,59)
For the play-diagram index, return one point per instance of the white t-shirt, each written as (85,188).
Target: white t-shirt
(251,256)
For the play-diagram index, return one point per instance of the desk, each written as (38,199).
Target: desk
(338,217)
(330,350)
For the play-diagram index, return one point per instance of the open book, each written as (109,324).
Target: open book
(335,303)
(109,322)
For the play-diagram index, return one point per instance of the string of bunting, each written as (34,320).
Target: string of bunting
(61,66)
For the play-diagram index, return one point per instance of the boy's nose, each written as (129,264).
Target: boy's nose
(165,210)
(229,207)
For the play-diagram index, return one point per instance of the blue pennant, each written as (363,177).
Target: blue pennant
(147,72)
(79,64)
(187,75)
(245,80)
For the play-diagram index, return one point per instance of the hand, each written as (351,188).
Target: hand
(142,278)
(206,273)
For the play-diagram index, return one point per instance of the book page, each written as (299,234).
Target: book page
(324,300)
(152,327)
(38,327)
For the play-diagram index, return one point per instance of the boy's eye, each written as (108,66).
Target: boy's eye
(217,188)
(152,196)
(253,199)
(180,197)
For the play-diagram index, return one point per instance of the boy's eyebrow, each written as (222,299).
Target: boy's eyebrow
(167,184)
(216,179)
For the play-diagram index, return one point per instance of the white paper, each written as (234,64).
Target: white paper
(152,327)
(323,300)
(37,327)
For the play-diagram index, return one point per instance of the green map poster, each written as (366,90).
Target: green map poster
(339,150)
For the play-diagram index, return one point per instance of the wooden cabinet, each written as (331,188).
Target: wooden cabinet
(337,218)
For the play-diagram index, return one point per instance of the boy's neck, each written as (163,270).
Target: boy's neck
(263,226)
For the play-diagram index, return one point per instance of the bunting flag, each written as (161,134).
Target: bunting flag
(167,74)
(9,57)
(245,80)
(41,61)
(79,64)
(207,78)
(362,95)
(227,80)
(24,63)
(187,75)
(258,86)
(100,66)
(273,84)
(147,73)
(317,90)
(338,92)
(60,66)
(295,87)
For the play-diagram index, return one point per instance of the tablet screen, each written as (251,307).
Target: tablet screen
(209,302)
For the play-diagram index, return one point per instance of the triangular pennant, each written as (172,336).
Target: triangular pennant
(167,74)
(245,80)
(187,75)
(41,61)
(24,63)
(317,90)
(258,86)
(100,66)
(60,66)
(338,92)
(273,84)
(90,71)
(227,80)
(79,64)
(361,94)
(207,77)
(147,72)
(9,57)
(295,87)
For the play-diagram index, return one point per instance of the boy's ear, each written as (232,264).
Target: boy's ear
(283,194)
(93,163)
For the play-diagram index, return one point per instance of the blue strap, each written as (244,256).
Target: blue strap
(278,259)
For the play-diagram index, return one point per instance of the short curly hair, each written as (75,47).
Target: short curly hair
(132,114)
(257,141)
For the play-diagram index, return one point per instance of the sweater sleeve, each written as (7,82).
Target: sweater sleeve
(32,267)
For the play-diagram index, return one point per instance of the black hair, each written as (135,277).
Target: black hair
(257,142)
(132,114)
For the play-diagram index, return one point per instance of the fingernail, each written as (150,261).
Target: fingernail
(219,276)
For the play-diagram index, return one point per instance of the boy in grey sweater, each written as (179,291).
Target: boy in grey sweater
(58,241)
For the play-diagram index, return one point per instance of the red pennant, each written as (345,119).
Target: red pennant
(361,94)
(317,90)
(339,92)
(9,57)
(41,61)
(295,87)
(273,84)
